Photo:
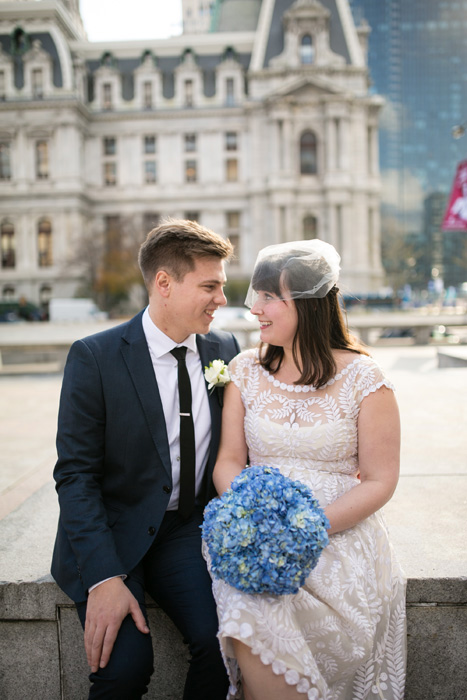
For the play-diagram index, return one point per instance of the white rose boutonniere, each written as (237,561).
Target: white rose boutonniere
(217,374)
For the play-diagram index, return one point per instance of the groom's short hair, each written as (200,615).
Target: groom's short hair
(175,245)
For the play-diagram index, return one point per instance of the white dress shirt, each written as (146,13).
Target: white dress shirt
(166,371)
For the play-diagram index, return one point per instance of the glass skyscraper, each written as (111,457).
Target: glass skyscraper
(418,62)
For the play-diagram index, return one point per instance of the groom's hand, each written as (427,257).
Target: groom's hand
(108,605)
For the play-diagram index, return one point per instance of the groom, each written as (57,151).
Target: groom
(121,532)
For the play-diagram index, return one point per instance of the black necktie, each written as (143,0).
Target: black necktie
(186,499)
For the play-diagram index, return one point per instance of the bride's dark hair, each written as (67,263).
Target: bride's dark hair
(320,329)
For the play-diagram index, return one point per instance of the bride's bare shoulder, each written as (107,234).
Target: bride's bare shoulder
(344,358)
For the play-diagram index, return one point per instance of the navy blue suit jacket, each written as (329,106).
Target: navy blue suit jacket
(113,474)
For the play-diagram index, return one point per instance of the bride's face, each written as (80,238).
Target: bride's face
(277,319)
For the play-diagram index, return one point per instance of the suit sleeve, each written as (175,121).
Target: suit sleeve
(237,346)
(80,466)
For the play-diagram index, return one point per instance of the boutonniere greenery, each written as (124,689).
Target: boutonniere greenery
(216,374)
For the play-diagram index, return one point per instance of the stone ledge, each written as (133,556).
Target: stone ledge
(452,357)
(39,626)
(437,591)
(38,600)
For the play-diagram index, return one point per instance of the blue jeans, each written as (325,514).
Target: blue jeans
(174,574)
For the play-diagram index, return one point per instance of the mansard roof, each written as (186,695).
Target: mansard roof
(253,29)
(266,17)
(33,39)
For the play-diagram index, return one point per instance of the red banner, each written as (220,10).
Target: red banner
(455,218)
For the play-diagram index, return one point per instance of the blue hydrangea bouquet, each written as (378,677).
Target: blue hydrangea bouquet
(266,533)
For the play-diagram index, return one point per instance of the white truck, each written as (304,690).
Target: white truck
(65,310)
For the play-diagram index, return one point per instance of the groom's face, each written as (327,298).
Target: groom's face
(192,302)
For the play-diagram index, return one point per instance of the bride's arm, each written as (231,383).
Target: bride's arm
(233,453)
(378,457)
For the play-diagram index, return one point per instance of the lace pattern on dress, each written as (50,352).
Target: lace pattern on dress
(342,635)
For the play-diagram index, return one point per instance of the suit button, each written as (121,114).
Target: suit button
(151,531)
(166,489)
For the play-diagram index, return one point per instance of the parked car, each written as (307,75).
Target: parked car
(22,310)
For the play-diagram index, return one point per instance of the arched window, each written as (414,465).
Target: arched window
(7,234)
(44,243)
(308,154)
(307,51)
(310,227)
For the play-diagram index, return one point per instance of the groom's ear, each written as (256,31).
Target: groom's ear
(162,283)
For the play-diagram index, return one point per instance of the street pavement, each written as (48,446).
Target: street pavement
(426,516)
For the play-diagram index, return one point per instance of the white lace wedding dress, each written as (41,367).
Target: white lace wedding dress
(342,636)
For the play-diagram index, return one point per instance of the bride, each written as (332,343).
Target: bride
(312,402)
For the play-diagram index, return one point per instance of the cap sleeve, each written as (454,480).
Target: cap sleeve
(370,377)
(239,369)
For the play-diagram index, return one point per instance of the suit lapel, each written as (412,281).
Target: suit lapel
(209,350)
(136,355)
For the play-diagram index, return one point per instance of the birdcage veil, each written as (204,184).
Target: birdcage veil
(295,270)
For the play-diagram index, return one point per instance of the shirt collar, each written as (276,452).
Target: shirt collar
(159,343)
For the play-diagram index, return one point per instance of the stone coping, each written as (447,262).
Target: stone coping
(38,600)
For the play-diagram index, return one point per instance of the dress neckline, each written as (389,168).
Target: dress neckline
(305,388)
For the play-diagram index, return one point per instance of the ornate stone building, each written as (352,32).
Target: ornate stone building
(262,128)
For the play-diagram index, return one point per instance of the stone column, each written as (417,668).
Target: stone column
(290,147)
(330,145)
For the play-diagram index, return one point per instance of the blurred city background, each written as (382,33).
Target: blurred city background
(265,120)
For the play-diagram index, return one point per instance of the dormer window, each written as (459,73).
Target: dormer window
(147,94)
(107,96)
(307,51)
(188,93)
(37,83)
(229,92)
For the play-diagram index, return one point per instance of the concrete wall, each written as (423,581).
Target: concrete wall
(42,653)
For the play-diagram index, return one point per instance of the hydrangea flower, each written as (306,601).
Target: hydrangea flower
(266,533)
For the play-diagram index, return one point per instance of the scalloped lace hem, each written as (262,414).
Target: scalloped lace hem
(292,677)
